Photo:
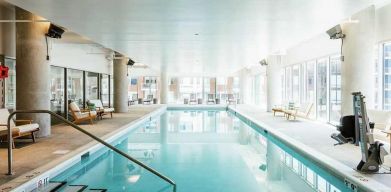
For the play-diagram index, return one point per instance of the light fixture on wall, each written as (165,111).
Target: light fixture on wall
(336,33)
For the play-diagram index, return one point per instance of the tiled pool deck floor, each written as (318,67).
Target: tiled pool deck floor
(28,157)
(317,136)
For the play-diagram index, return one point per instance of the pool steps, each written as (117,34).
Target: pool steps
(61,186)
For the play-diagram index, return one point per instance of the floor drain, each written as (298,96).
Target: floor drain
(61,152)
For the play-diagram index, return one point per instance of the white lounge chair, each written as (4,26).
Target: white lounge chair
(100,109)
(211,99)
(20,128)
(303,112)
(231,99)
(81,115)
(149,99)
(193,98)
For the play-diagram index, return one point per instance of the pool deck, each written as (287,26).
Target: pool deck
(316,136)
(61,145)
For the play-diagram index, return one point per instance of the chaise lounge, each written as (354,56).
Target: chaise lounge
(301,112)
(20,128)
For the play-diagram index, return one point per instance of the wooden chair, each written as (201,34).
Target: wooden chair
(301,112)
(81,115)
(19,128)
(100,109)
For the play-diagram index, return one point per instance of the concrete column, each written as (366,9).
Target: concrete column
(358,68)
(274,84)
(245,86)
(32,69)
(121,83)
(163,88)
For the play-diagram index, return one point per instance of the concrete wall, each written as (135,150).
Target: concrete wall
(383,27)
(7,32)
(88,57)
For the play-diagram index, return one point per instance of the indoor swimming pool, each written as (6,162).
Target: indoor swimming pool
(201,150)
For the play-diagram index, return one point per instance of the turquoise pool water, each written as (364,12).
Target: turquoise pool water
(201,151)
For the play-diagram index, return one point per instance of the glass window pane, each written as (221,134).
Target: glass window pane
(105,89)
(57,83)
(387,76)
(335,89)
(296,83)
(321,89)
(75,87)
(10,84)
(92,80)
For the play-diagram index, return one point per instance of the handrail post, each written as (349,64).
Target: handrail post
(10,140)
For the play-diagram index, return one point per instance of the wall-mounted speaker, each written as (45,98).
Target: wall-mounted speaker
(335,32)
(55,31)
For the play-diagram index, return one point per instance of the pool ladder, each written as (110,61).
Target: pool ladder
(10,141)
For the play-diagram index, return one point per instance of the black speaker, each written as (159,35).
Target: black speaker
(55,31)
(131,62)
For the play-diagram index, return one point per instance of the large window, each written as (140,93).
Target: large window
(322,89)
(104,89)
(387,76)
(190,85)
(75,87)
(209,87)
(57,90)
(296,83)
(288,84)
(335,89)
(92,86)
(10,84)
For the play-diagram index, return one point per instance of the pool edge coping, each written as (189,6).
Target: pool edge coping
(325,161)
(56,166)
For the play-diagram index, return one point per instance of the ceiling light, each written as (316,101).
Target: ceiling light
(350,20)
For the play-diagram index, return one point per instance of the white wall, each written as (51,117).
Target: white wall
(358,69)
(383,27)
(88,57)
(316,47)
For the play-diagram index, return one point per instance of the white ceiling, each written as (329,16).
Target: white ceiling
(231,33)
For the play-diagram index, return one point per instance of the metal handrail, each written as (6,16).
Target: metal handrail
(85,132)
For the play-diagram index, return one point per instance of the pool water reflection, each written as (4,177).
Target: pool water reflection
(200,151)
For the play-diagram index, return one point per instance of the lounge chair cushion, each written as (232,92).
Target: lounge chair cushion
(73,106)
(27,127)
(85,114)
(108,110)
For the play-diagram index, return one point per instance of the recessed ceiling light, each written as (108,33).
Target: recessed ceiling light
(196,34)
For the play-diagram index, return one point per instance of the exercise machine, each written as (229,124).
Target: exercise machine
(357,130)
